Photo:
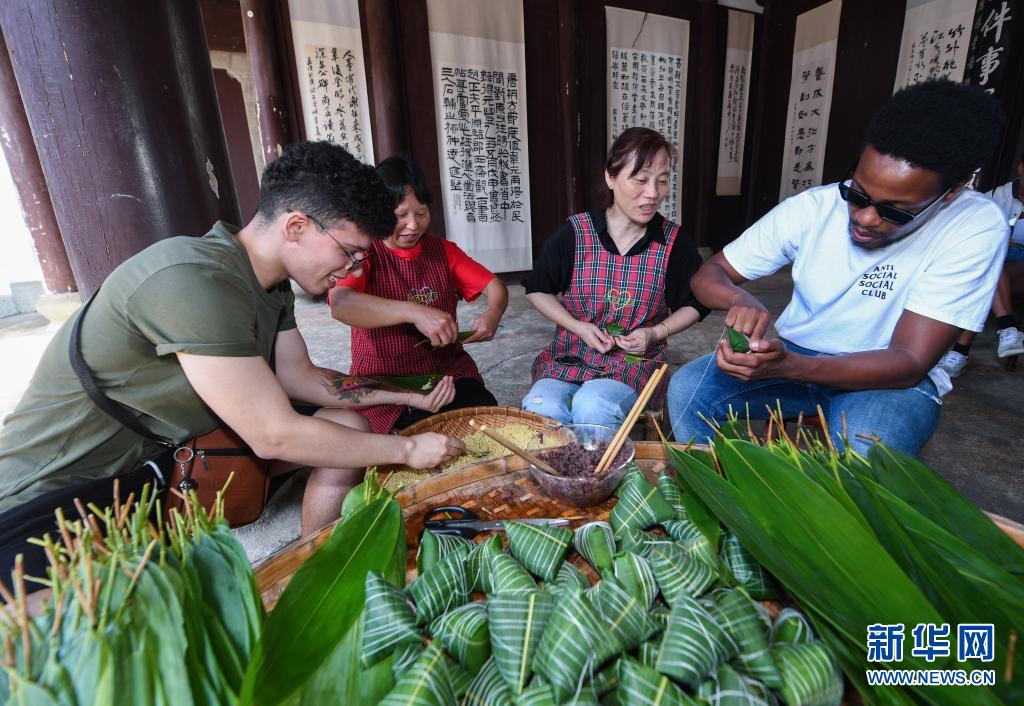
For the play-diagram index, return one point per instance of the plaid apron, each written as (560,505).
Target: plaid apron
(611,289)
(392,350)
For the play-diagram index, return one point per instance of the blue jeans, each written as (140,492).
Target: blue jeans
(601,401)
(903,419)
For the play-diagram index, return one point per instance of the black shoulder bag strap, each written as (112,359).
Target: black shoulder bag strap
(118,411)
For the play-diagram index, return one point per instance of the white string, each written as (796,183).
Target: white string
(699,382)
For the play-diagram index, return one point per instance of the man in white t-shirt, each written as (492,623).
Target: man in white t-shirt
(1010,344)
(889,266)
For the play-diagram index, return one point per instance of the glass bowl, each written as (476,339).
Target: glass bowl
(586,489)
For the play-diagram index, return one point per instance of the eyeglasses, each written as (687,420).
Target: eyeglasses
(356,262)
(896,216)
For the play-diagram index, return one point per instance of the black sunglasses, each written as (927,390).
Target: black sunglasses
(896,216)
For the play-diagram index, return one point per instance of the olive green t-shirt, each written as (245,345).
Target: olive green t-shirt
(182,294)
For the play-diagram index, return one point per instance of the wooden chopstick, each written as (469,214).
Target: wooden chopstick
(627,426)
(513,448)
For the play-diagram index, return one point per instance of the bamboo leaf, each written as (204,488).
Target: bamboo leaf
(670,490)
(509,576)
(544,695)
(641,685)
(924,489)
(517,621)
(810,675)
(388,621)
(596,543)
(573,638)
(321,603)
(747,572)
(442,587)
(624,615)
(479,561)
(640,505)
(678,573)
(790,628)
(693,645)
(426,683)
(341,680)
(727,686)
(464,634)
(403,658)
(739,342)
(746,624)
(697,511)
(636,576)
(824,556)
(489,688)
(434,547)
(694,542)
(569,578)
(540,549)
(639,542)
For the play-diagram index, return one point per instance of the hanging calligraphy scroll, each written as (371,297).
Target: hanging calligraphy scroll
(479,68)
(648,56)
(332,82)
(992,50)
(936,36)
(810,98)
(739,50)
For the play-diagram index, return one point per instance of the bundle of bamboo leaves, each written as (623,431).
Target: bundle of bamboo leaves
(138,613)
(857,542)
(148,613)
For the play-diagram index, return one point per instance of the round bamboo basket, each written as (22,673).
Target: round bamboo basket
(499,488)
(456,423)
(495,489)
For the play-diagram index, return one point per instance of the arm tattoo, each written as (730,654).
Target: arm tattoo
(343,387)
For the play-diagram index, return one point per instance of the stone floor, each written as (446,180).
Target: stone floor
(974,446)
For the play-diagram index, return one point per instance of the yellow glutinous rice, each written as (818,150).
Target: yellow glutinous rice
(479,447)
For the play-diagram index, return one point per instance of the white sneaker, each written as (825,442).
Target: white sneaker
(953,363)
(1011,342)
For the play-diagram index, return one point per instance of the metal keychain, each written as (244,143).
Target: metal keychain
(182,456)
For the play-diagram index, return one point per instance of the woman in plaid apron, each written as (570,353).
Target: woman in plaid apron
(623,274)
(401,306)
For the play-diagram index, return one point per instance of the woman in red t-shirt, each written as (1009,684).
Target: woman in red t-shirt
(407,291)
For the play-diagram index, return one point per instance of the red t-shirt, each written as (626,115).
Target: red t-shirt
(470,276)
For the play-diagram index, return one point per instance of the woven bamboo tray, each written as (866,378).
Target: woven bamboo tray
(496,488)
(456,423)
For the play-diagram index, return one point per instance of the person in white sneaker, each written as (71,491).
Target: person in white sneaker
(1011,282)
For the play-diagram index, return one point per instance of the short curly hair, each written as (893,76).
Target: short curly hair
(946,127)
(325,181)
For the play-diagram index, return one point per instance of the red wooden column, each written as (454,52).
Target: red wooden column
(261,46)
(20,151)
(120,98)
(383,81)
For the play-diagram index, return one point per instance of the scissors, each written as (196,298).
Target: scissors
(468,524)
(576,361)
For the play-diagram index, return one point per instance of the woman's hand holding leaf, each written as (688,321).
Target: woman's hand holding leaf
(638,341)
(593,336)
(442,394)
(435,324)
(484,326)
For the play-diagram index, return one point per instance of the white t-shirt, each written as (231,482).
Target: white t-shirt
(847,299)
(1011,207)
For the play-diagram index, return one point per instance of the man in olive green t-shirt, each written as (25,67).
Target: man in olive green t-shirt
(183,333)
